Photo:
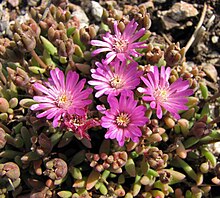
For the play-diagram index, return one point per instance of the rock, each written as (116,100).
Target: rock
(96,10)
(14,3)
(169,23)
(4,19)
(81,16)
(182,10)
(210,71)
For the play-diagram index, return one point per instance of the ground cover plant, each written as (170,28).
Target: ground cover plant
(94,102)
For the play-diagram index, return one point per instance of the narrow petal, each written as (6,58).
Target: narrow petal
(71,80)
(98,51)
(100,43)
(41,106)
(44,99)
(159,112)
(109,57)
(43,89)
(137,35)
(116,30)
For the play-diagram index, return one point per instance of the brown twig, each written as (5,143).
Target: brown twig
(199,25)
(166,38)
(37,58)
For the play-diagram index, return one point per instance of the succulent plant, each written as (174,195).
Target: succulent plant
(49,58)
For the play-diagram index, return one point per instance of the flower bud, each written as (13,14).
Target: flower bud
(56,169)
(145,180)
(174,55)
(189,113)
(170,123)
(119,191)
(3,116)
(64,194)
(153,56)
(180,150)
(184,126)
(13,102)
(4,105)
(204,167)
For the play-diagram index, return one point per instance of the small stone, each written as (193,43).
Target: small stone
(96,10)
(215,39)
(169,23)
(80,14)
(14,3)
(210,71)
(182,10)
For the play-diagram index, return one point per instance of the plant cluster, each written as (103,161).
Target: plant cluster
(103,110)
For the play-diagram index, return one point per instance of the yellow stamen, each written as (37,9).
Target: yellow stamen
(120,45)
(116,82)
(122,120)
(63,101)
(161,94)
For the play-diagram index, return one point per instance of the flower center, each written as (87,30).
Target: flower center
(63,101)
(122,120)
(120,45)
(160,95)
(116,82)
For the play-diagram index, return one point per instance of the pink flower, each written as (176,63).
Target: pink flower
(120,46)
(61,97)
(162,95)
(80,124)
(109,79)
(123,119)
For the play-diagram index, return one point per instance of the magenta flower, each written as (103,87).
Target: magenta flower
(123,119)
(120,46)
(80,124)
(162,95)
(61,97)
(112,80)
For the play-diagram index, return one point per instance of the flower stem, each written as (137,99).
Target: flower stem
(37,58)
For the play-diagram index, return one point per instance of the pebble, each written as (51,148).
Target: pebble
(14,3)
(81,15)
(215,39)
(169,23)
(96,10)
(210,71)
(178,12)
(182,10)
